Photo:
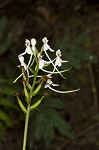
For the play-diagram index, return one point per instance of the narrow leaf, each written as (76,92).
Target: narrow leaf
(7,103)
(37,90)
(21,105)
(26,92)
(29,86)
(5,118)
(36,104)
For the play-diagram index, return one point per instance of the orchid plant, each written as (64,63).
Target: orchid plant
(35,69)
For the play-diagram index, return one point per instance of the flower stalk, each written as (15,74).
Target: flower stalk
(26,127)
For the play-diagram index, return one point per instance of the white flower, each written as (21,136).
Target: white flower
(29,50)
(59,61)
(55,68)
(27,42)
(42,62)
(21,59)
(46,46)
(49,82)
(22,64)
(33,43)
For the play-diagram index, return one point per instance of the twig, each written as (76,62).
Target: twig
(93,87)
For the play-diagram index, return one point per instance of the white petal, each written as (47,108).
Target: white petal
(33,76)
(63,91)
(58,62)
(50,48)
(58,53)
(54,71)
(41,64)
(21,59)
(18,77)
(49,76)
(22,54)
(55,84)
(46,85)
(27,42)
(64,61)
(45,40)
(49,82)
(54,65)
(46,46)
(28,50)
(39,56)
(33,42)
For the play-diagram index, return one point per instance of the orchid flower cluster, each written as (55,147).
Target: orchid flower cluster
(41,63)
(33,69)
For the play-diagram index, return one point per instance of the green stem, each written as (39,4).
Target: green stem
(35,76)
(26,127)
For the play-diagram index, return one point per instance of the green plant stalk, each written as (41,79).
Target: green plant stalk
(26,127)
(28,113)
(35,76)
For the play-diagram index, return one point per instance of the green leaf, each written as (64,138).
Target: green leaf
(7,103)
(31,70)
(48,119)
(26,93)
(54,103)
(63,127)
(7,90)
(37,90)
(36,104)
(21,105)
(4,117)
(29,86)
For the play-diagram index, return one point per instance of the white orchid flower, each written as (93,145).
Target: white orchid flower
(55,68)
(59,61)
(42,62)
(46,46)
(21,59)
(22,63)
(29,50)
(33,43)
(49,82)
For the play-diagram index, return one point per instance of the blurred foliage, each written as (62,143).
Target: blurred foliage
(6,35)
(7,105)
(46,120)
(74,49)
(6,89)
